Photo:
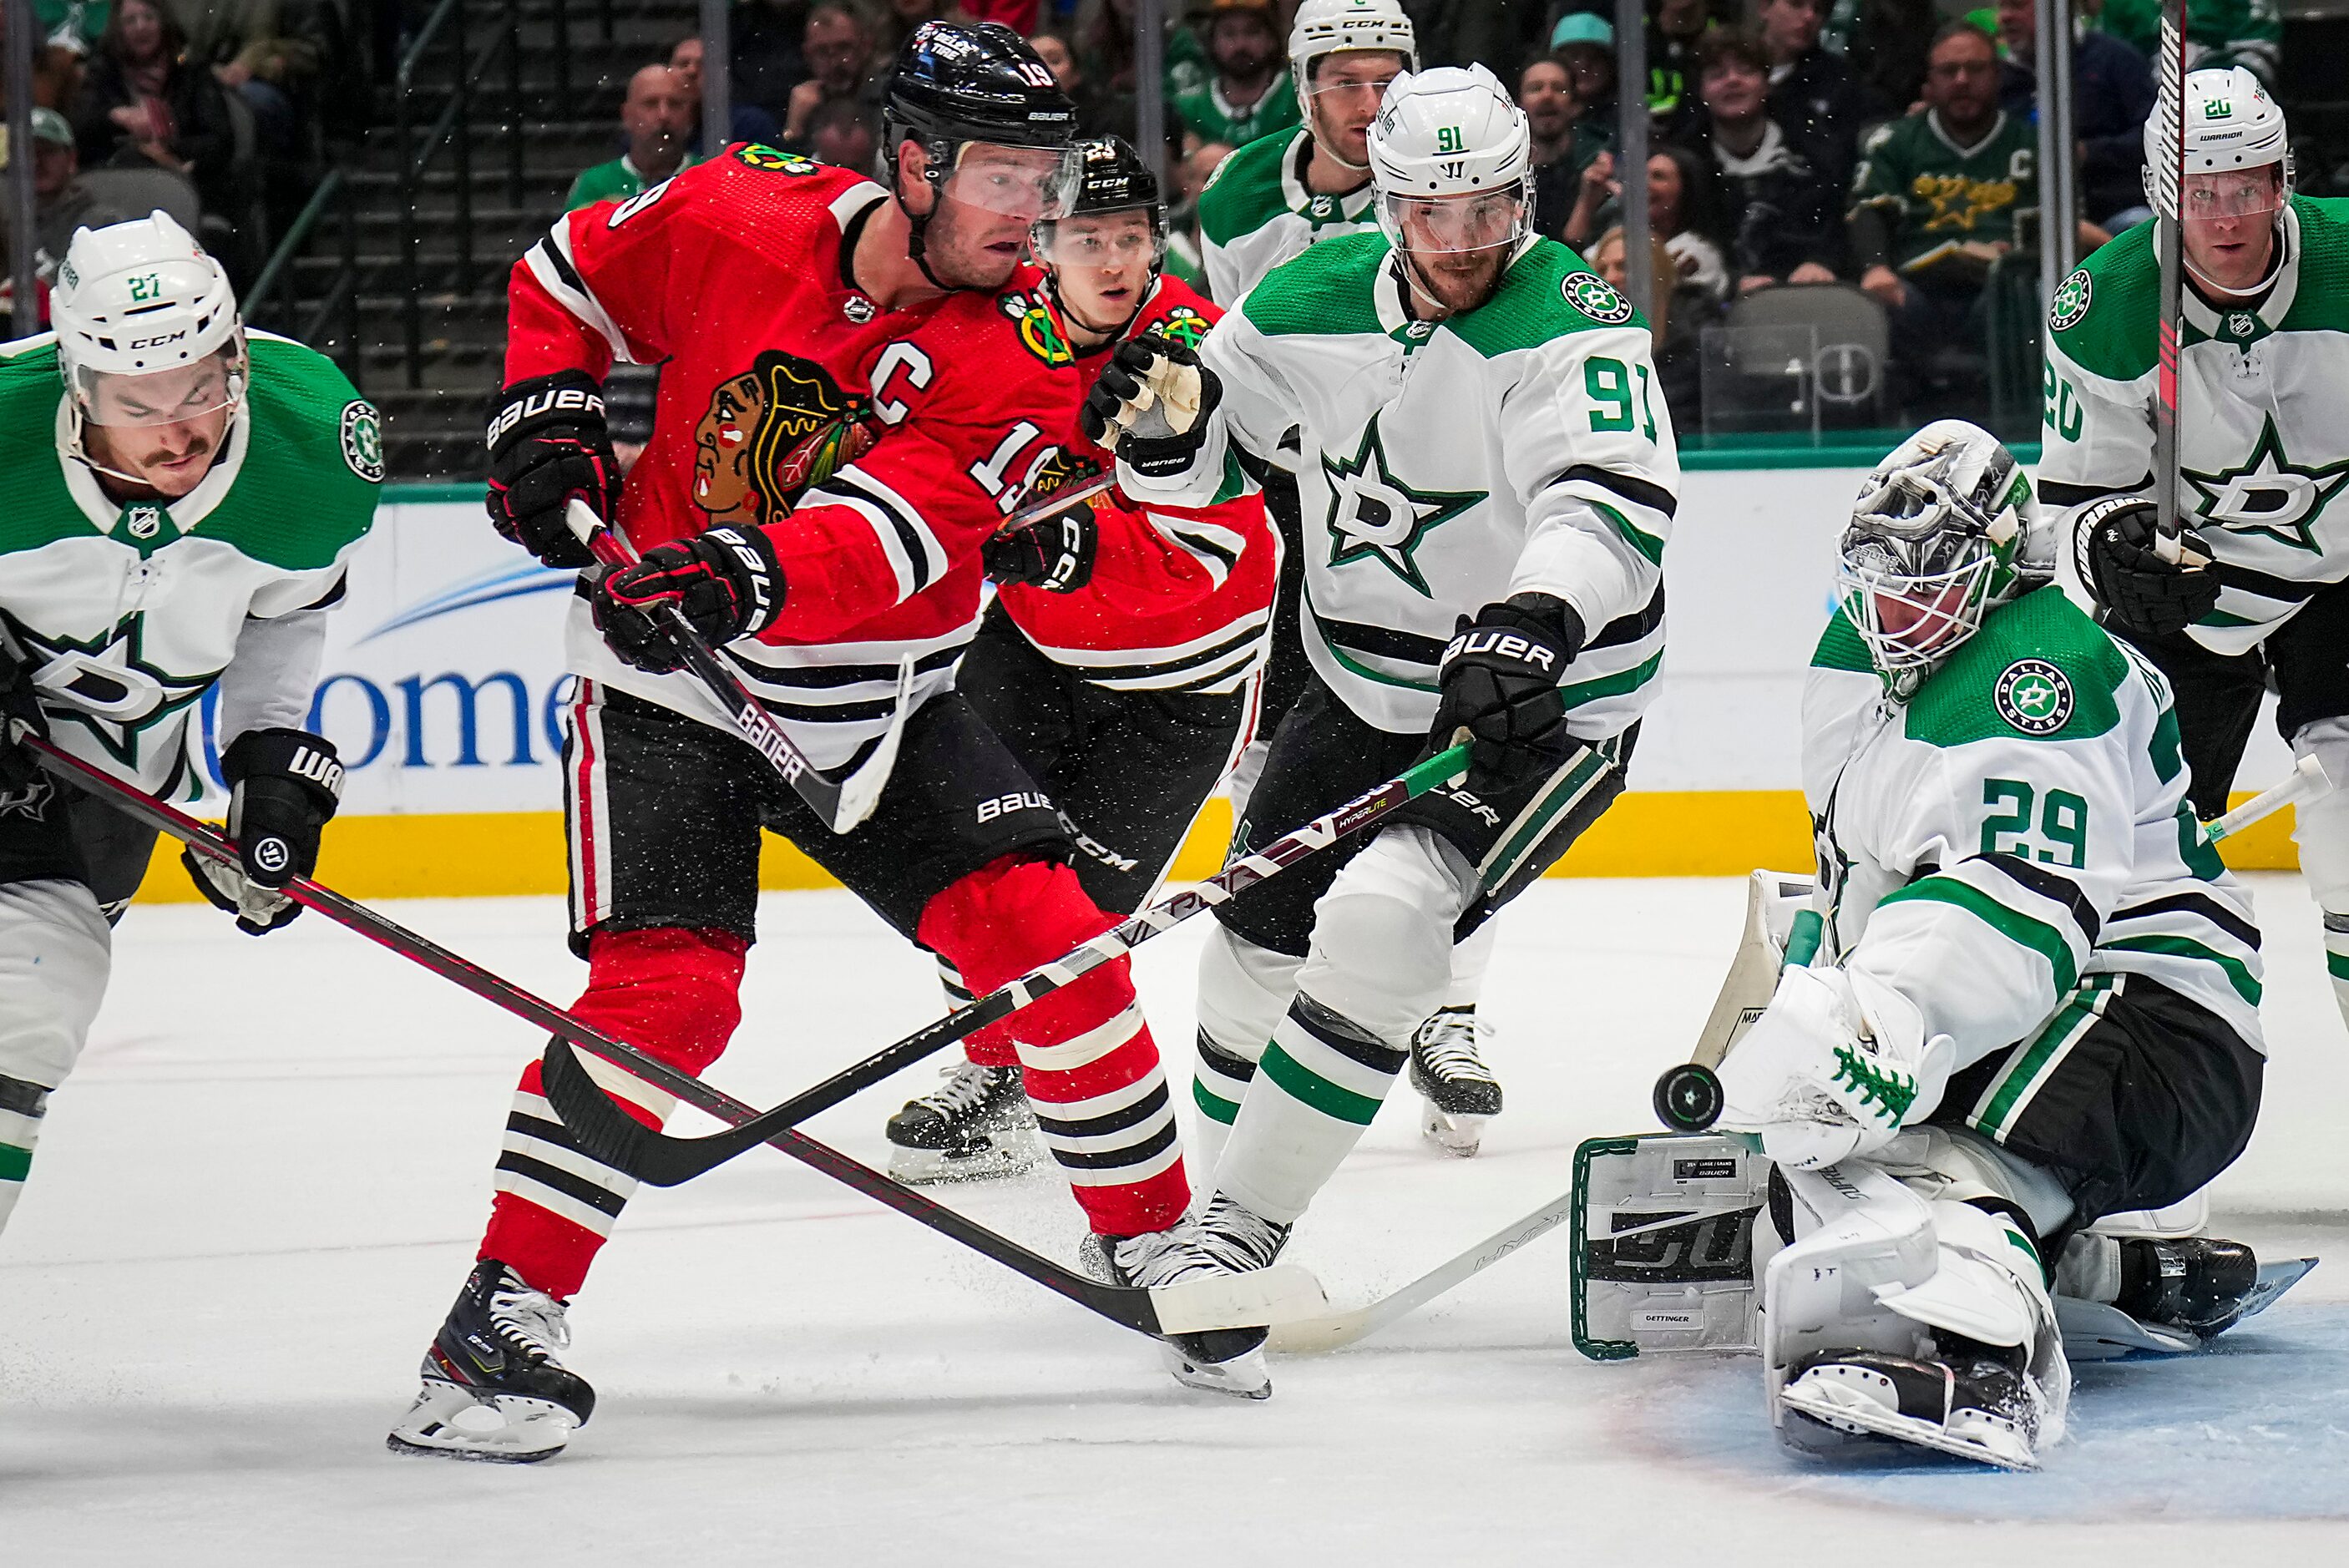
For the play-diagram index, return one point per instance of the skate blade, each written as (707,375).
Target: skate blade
(449,1422)
(1846,1410)
(1459,1136)
(1244,1377)
(934,1167)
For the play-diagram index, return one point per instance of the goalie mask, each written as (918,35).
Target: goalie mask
(1942,533)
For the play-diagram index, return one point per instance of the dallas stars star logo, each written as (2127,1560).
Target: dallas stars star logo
(1375,515)
(107,684)
(2269,494)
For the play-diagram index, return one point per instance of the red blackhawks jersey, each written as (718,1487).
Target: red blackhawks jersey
(1180,599)
(877,449)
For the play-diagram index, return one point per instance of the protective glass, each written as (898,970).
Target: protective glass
(2232,193)
(1483,221)
(171,397)
(1029,182)
(1102,240)
(1351,78)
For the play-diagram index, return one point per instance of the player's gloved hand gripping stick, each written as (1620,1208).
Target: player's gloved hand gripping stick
(1688,1098)
(619,1141)
(1274,1295)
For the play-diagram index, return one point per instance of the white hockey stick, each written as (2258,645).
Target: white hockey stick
(1335,1330)
(2306,781)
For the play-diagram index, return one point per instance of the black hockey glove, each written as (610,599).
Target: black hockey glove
(283,786)
(1500,684)
(1055,553)
(548,443)
(2112,545)
(727,581)
(1151,404)
(20,716)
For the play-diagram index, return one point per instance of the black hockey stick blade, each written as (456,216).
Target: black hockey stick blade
(618,1139)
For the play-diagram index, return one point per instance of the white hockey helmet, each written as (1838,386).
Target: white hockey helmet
(139,298)
(1944,530)
(1330,27)
(1450,150)
(2232,123)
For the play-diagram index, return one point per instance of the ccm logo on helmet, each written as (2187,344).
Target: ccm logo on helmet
(138,343)
(1507,644)
(560,400)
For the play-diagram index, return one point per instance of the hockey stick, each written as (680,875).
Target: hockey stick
(1688,1096)
(2168,176)
(1335,1330)
(843,803)
(619,1141)
(1237,1301)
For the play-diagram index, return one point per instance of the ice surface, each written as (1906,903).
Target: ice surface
(257,1196)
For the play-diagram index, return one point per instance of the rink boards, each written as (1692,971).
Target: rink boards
(443,687)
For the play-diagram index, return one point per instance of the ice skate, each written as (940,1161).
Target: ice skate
(974,1126)
(1224,1238)
(1448,1067)
(1975,1404)
(2199,1284)
(492,1386)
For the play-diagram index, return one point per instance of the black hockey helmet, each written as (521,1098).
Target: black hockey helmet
(1109,177)
(961,83)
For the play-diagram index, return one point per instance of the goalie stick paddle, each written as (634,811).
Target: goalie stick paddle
(1231,1302)
(843,803)
(619,1141)
(1687,1097)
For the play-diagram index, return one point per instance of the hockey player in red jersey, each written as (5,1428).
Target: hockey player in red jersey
(828,457)
(1120,661)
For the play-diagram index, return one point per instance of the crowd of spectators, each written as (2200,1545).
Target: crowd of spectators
(1885,146)
(211,111)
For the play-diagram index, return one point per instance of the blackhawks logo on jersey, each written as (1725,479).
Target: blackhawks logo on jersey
(1185,326)
(1597,298)
(770,433)
(2071,301)
(1038,333)
(2034,696)
(774,159)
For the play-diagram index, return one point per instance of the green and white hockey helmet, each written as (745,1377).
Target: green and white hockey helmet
(1944,531)
(2232,125)
(141,299)
(1449,154)
(1331,27)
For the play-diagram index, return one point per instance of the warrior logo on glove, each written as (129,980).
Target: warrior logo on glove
(769,434)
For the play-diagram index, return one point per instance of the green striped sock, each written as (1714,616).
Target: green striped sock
(1318,1086)
(1221,1084)
(2336,958)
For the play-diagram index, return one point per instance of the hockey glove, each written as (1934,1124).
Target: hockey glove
(1151,404)
(284,785)
(2112,545)
(1055,553)
(20,716)
(1836,1066)
(1500,678)
(726,581)
(547,444)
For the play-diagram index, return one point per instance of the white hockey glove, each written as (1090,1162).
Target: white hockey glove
(1833,1067)
(1150,405)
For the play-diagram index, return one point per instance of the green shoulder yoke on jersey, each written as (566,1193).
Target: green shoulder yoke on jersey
(36,507)
(1246,189)
(2039,669)
(2321,304)
(1547,293)
(1840,647)
(1326,291)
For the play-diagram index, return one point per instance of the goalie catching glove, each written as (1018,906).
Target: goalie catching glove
(1836,1066)
(2113,544)
(1499,685)
(548,443)
(726,582)
(284,785)
(1151,406)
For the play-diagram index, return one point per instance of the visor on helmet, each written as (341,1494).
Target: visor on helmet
(1031,182)
(2233,193)
(1480,221)
(1101,240)
(172,396)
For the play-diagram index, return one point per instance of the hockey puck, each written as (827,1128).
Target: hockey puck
(1687,1097)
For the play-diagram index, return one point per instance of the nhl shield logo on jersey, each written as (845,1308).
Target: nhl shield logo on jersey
(142,521)
(2071,301)
(1597,298)
(363,440)
(770,433)
(2034,696)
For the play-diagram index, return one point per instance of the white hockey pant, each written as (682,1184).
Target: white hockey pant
(1379,963)
(2323,837)
(56,951)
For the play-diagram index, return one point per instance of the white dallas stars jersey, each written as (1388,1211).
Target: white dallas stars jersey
(1257,213)
(2263,449)
(1520,447)
(130,611)
(2002,844)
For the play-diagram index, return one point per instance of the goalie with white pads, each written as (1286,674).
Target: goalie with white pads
(2035,997)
